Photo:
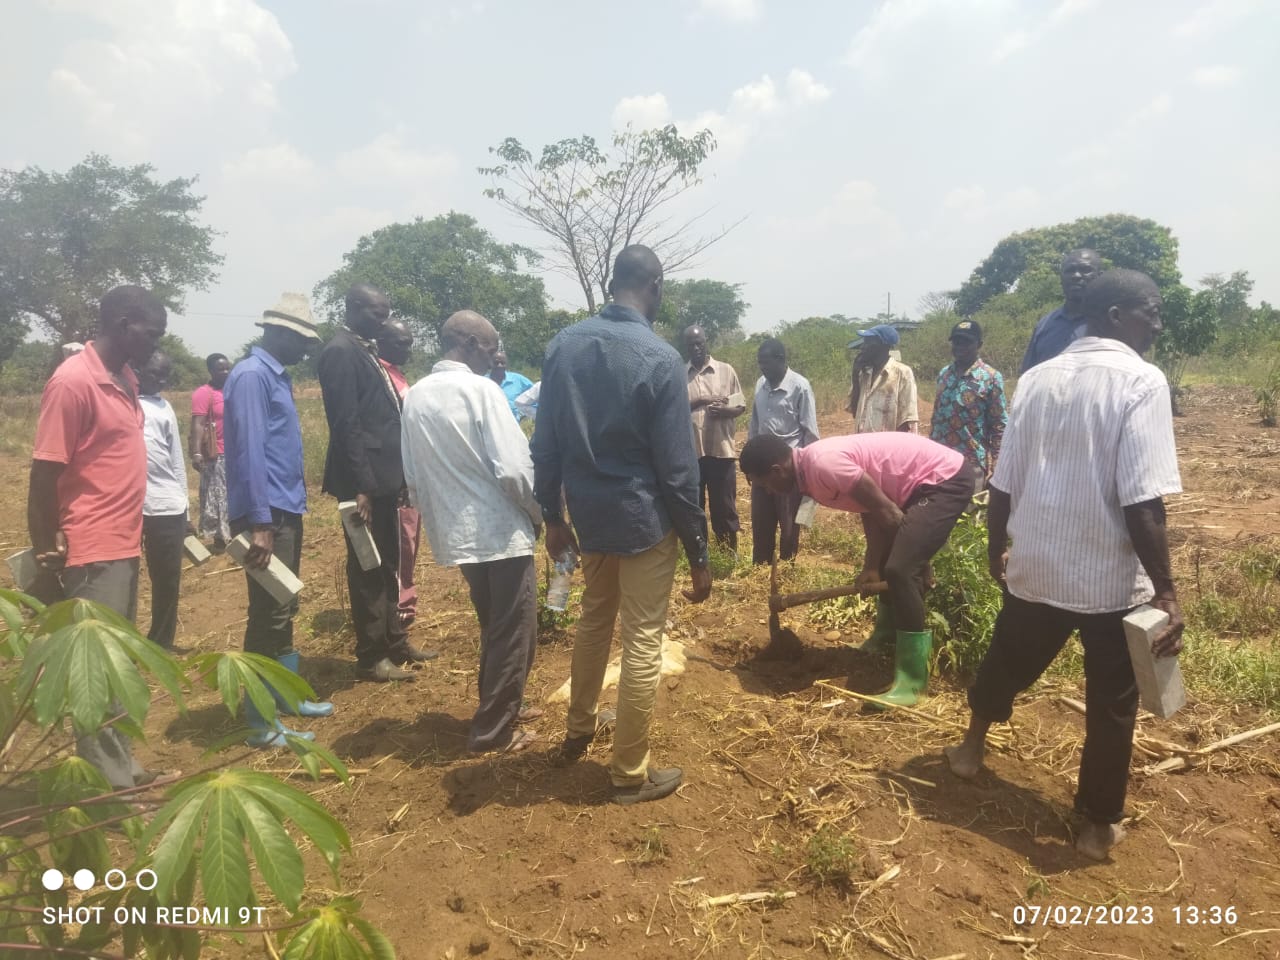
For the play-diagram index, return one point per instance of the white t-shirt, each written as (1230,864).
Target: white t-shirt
(166,471)
(1090,433)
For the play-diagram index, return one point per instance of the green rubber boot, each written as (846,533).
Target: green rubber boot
(880,642)
(911,668)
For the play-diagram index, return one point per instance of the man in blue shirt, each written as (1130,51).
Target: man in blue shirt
(1058,330)
(512,384)
(266,493)
(613,430)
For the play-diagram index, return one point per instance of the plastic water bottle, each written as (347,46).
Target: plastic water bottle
(558,590)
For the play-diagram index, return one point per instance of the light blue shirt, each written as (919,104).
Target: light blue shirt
(512,386)
(263,440)
(788,410)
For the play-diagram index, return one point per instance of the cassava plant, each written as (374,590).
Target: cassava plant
(219,839)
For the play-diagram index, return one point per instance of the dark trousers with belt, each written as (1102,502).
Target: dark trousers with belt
(375,594)
(114,584)
(270,627)
(928,519)
(505,595)
(162,539)
(1027,638)
(718,480)
(773,515)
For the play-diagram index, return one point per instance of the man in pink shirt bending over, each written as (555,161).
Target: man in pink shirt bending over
(909,490)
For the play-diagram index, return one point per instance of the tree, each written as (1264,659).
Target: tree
(591,204)
(1191,323)
(431,268)
(713,305)
(75,667)
(67,238)
(1122,240)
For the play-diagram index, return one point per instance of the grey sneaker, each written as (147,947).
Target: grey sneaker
(658,784)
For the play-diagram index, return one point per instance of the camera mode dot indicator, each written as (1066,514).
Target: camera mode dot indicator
(52,880)
(83,879)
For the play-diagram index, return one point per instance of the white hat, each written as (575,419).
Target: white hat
(293,312)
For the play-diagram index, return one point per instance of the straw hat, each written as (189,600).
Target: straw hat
(293,312)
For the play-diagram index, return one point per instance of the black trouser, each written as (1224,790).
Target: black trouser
(772,513)
(270,627)
(114,584)
(505,595)
(162,539)
(375,594)
(1027,637)
(718,480)
(927,522)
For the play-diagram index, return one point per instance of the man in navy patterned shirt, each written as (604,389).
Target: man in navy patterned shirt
(969,412)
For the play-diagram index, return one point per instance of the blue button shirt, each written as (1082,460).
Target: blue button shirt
(263,440)
(514,384)
(1054,333)
(613,426)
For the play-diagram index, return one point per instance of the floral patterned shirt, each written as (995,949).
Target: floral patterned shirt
(969,412)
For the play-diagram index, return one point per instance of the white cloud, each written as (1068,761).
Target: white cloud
(1010,44)
(759,96)
(1070,8)
(281,163)
(642,112)
(740,11)
(1159,106)
(171,66)
(1214,16)
(965,199)
(1216,77)
(804,89)
(877,43)
(386,159)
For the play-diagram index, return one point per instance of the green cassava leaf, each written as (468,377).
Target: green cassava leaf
(329,836)
(275,854)
(224,867)
(87,687)
(380,947)
(176,849)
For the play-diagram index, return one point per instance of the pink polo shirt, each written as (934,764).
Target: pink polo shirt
(899,463)
(94,427)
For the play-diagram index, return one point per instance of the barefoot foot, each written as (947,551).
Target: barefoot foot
(965,759)
(1096,839)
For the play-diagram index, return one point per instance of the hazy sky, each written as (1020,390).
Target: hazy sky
(873,147)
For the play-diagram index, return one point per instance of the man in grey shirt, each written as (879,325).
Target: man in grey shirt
(784,406)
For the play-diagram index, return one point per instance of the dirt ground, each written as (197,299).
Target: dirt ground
(511,857)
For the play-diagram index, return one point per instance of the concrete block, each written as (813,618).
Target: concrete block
(23,567)
(806,511)
(1159,678)
(195,550)
(277,579)
(361,537)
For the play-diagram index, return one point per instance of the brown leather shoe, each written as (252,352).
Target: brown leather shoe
(384,671)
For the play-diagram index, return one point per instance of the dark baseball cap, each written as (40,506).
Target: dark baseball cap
(967,329)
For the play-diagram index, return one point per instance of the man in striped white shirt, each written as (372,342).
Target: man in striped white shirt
(1087,459)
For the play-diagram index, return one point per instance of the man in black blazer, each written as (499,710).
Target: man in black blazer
(363,464)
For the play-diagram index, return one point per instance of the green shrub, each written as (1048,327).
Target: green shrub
(830,855)
(964,604)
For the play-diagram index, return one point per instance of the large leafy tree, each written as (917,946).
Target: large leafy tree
(1122,240)
(715,306)
(67,238)
(431,268)
(591,203)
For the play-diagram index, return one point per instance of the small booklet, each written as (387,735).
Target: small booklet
(24,569)
(737,400)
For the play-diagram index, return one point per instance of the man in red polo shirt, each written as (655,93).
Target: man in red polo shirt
(89,480)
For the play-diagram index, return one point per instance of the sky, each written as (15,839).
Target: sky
(870,148)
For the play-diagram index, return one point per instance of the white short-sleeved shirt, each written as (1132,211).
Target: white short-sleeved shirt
(1090,433)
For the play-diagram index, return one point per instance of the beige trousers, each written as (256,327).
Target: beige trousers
(638,587)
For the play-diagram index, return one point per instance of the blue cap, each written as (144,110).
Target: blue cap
(881,331)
